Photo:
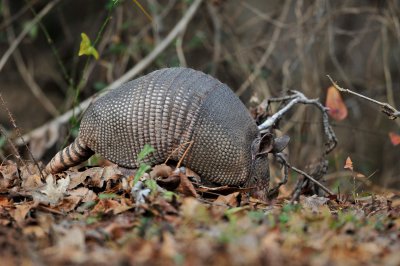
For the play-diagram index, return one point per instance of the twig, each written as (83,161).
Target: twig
(273,192)
(184,154)
(295,98)
(179,49)
(386,69)
(332,55)
(24,72)
(14,149)
(154,19)
(52,46)
(25,31)
(267,53)
(14,124)
(386,108)
(17,15)
(285,162)
(217,37)
(126,77)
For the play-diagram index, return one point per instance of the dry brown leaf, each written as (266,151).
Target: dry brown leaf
(337,108)
(32,182)
(111,205)
(186,187)
(53,192)
(5,202)
(21,210)
(69,246)
(84,193)
(98,176)
(8,175)
(348,164)
(161,170)
(271,249)
(394,138)
(35,230)
(168,247)
(314,203)
(69,203)
(230,200)
(190,173)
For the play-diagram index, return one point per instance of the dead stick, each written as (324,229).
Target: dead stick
(387,109)
(327,190)
(14,124)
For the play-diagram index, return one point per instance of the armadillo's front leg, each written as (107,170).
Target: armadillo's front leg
(71,155)
(259,189)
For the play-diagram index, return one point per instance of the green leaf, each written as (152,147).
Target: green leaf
(112,3)
(147,149)
(86,47)
(143,168)
(98,86)
(284,218)
(169,195)
(33,31)
(89,204)
(152,184)
(92,220)
(2,141)
(108,196)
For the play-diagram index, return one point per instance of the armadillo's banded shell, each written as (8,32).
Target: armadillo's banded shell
(167,109)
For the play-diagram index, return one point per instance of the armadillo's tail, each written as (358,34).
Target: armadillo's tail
(71,155)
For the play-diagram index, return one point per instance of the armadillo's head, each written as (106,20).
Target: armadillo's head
(259,178)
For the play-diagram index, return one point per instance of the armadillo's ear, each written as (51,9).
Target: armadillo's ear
(280,143)
(266,144)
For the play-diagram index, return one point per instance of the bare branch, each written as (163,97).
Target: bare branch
(140,66)
(295,98)
(386,108)
(285,162)
(267,53)
(26,30)
(14,124)
(24,72)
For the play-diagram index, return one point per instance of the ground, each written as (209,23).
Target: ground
(95,217)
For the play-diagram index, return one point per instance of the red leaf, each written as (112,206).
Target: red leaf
(394,138)
(334,101)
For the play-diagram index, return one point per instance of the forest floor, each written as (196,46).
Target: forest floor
(95,217)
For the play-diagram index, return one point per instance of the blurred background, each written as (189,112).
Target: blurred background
(259,48)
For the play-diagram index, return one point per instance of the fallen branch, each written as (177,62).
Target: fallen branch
(285,162)
(386,108)
(126,77)
(297,97)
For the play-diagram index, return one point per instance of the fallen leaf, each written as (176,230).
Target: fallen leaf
(314,202)
(169,246)
(337,108)
(8,175)
(21,210)
(161,170)
(394,138)
(348,164)
(230,200)
(5,202)
(53,192)
(185,186)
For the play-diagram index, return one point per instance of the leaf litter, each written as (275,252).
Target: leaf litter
(100,217)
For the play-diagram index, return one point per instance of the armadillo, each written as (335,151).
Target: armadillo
(174,110)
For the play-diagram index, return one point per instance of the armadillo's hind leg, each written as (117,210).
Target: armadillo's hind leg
(71,155)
